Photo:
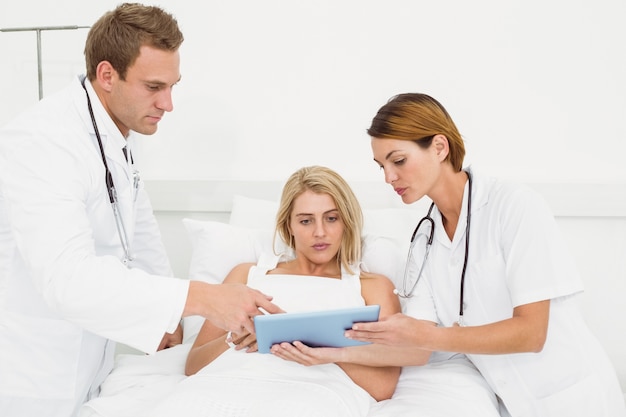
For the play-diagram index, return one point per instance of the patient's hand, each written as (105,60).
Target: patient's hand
(243,340)
(305,355)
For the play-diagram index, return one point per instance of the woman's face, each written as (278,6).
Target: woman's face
(409,169)
(316,226)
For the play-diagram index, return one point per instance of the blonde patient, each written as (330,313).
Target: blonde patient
(320,221)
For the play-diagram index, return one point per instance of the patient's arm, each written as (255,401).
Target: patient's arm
(211,340)
(380,382)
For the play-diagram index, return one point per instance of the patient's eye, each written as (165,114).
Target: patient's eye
(399,161)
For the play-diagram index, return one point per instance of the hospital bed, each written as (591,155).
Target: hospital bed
(210,226)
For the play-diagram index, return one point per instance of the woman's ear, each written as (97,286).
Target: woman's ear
(441,146)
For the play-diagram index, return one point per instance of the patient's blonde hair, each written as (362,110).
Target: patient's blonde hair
(322,180)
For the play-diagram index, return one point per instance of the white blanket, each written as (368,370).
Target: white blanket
(156,386)
(249,385)
(445,387)
(137,382)
(142,385)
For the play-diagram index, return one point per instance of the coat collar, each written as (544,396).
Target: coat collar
(112,139)
(480,198)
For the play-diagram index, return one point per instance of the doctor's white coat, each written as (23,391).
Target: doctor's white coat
(517,256)
(63,290)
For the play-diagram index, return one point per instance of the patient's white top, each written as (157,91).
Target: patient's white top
(297,293)
(517,256)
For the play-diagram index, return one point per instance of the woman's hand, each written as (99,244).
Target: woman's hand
(526,331)
(396,330)
(305,355)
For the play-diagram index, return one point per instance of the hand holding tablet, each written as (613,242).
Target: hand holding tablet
(316,328)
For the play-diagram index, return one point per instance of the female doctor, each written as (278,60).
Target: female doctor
(81,258)
(487,276)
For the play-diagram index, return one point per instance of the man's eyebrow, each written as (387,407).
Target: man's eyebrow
(159,82)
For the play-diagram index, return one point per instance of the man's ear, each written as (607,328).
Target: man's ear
(105,74)
(441,146)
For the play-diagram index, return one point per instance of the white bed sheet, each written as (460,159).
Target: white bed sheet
(137,382)
(156,386)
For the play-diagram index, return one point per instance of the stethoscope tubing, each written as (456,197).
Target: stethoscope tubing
(429,219)
(429,242)
(110,185)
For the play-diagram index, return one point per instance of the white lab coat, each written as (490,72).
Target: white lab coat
(63,290)
(516,257)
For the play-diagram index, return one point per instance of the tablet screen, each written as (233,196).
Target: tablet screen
(315,328)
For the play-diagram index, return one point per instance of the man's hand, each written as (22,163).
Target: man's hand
(231,307)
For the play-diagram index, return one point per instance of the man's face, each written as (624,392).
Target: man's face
(139,102)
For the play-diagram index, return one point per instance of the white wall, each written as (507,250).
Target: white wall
(536,87)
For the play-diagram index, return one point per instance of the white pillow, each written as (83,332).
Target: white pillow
(216,248)
(253,212)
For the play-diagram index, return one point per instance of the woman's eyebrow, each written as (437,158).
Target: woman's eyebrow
(388,155)
(311,214)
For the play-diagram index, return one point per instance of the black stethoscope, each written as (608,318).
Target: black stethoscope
(119,222)
(428,221)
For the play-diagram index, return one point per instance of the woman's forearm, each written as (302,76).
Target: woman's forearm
(379,355)
(526,331)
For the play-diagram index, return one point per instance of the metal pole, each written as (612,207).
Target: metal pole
(39,66)
(38,29)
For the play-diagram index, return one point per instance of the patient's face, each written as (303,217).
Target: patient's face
(317,227)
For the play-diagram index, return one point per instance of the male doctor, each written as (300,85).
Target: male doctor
(76,271)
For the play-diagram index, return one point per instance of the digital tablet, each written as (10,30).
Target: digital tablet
(315,328)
